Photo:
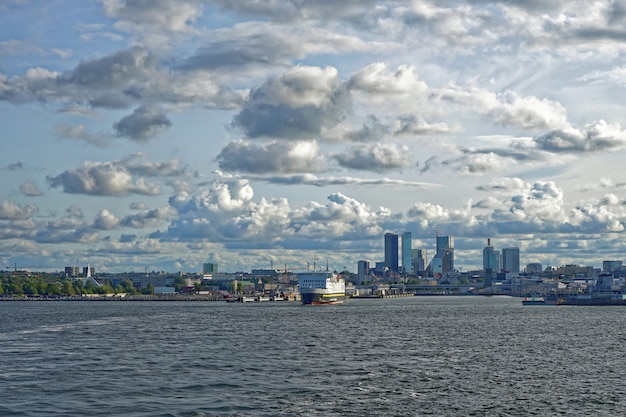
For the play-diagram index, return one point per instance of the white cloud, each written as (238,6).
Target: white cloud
(98,178)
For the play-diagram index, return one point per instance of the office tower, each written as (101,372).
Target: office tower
(611,266)
(443,262)
(209,268)
(406,253)
(363,272)
(491,258)
(510,260)
(418,261)
(391,251)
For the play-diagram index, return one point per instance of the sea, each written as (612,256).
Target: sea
(414,356)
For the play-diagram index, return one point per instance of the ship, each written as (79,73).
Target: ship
(321,288)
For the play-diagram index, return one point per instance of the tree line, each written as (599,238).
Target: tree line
(51,286)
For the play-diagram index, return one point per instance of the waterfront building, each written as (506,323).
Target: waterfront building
(406,253)
(510,260)
(534,268)
(391,252)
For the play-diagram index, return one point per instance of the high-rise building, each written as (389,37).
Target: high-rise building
(491,258)
(406,253)
(418,260)
(209,268)
(443,262)
(510,260)
(72,271)
(611,266)
(363,272)
(391,251)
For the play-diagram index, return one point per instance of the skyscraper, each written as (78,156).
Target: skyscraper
(391,251)
(491,258)
(406,253)
(443,262)
(510,260)
(418,260)
(363,272)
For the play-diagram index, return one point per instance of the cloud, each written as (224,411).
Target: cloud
(101,178)
(595,137)
(227,213)
(30,189)
(509,108)
(295,10)
(105,220)
(148,218)
(12,211)
(379,83)
(310,179)
(376,158)
(274,157)
(125,78)
(154,14)
(145,122)
(80,132)
(298,104)
(255,45)
(504,184)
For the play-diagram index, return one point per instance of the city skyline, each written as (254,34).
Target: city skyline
(161,135)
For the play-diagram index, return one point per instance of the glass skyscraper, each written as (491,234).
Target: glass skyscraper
(391,251)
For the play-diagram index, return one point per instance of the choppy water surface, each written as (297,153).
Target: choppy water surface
(442,356)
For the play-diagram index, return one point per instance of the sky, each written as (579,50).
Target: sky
(162,134)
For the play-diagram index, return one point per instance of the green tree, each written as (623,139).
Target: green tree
(67,288)
(149,290)
(53,289)
(179,283)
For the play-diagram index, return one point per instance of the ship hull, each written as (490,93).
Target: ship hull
(315,298)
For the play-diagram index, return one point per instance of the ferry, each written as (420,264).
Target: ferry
(321,288)
(534,301)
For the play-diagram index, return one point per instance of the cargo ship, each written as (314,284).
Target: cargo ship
(321,288)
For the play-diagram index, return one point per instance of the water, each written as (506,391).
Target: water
(417,356)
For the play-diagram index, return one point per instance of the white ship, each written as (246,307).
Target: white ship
(321,288)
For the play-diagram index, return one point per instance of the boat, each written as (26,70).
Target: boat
(321,288)
(534,301)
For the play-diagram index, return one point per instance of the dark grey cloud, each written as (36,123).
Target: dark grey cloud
(376,158)
(127,238)
(372,130)
(298,104)
(294,10)
(274,157)
(148,218)
(17,166)
(142,124)
(115,71)
(596,137)
(232,54)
